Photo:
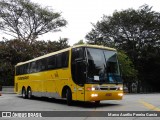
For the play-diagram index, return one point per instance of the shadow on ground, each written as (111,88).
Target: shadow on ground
(75,103)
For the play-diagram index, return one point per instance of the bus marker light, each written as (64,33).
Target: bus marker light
(91,88)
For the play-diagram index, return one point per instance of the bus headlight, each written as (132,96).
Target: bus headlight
(120,88)
(94,95)
(120,94)
(93,88)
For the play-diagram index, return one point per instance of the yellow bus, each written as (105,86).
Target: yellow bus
(79,73)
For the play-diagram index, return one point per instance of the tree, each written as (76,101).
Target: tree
(129,30)
(95,37)
(137,33)
(127,67)
(80,42)
(57,45)
(128,71)
(25,20)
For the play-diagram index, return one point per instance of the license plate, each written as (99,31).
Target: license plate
(109,94)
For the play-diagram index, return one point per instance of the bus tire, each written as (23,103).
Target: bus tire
(29,93)
(69,97)
(24,95)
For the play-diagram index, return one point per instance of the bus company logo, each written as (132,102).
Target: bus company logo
(6,114)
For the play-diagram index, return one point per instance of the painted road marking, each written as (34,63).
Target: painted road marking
(150,106)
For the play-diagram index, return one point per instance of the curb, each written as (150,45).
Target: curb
(7,92)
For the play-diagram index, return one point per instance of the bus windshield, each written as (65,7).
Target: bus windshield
(102,66)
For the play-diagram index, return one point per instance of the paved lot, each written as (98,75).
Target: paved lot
(131,102)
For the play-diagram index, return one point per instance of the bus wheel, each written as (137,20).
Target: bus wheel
(29,93)
(69,97)
(24,93)
(97,102)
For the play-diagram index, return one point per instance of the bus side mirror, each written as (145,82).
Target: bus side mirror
(81,60)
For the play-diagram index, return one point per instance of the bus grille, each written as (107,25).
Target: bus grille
(108,88)
(113,88)
(103,88)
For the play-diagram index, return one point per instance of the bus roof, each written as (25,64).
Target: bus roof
(63,50)
(94,46)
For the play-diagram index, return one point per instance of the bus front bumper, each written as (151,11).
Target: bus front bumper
(103,95)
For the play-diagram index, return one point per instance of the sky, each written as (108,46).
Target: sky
(81,13)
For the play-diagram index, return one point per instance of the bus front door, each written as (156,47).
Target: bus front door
(80,78)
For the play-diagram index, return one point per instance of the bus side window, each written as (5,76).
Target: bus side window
(23,69)
(44,64)
(51,62)
(18,70)
(26,69)
(39,65)
(33,67)
(65,59)
(59,60)
(77,53)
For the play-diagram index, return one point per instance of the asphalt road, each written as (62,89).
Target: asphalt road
(130,102)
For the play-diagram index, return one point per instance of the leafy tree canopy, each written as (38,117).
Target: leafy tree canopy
(130,30)
(26,20)
(80,42)
(127,66)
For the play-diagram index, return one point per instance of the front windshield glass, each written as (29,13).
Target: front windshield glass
(102,66)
